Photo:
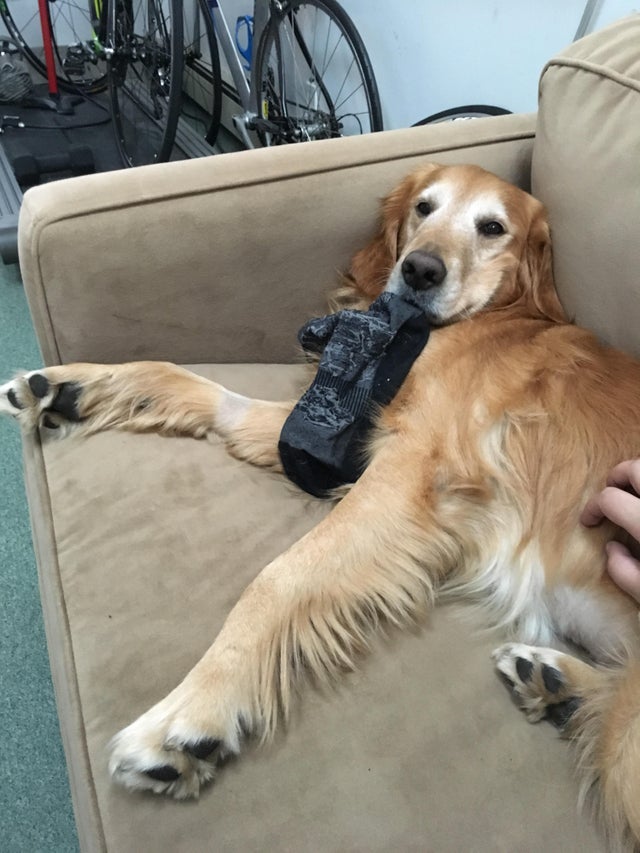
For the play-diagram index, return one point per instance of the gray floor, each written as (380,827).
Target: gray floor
(35,805)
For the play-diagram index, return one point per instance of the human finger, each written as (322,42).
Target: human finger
(623,568)
(592,514)
(618,506)
(626,474)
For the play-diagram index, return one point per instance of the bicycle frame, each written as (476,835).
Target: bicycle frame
(246,92)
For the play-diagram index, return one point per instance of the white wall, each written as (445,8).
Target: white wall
(434,55)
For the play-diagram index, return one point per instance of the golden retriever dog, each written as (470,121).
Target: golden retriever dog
(477,473)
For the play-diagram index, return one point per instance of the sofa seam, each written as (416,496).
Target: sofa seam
(71,676)
(592,68)
(38,226)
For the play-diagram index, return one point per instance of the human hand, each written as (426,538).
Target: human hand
(619,503)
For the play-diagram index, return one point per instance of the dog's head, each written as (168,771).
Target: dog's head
(459,240)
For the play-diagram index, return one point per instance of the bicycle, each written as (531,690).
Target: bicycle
(310,75)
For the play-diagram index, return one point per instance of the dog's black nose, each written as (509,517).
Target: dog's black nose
(421,270)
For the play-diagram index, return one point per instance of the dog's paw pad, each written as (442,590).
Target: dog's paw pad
(524,669)
(12,399)
(164,773)
(202,749)
(562,712)
(39,385)
(552,679)
(65,402)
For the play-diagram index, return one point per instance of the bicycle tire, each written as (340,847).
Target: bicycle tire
(202,80)
(470,111)
(145,77)
(79,57)
(320,65)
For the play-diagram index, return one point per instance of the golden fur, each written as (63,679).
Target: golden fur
(479,468)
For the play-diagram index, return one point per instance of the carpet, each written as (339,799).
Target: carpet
(35,804)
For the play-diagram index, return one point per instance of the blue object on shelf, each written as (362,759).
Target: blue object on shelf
(244,39)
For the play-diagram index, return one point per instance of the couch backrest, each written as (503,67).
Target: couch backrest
(586,169)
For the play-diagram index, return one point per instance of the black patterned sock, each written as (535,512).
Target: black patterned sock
(366,356)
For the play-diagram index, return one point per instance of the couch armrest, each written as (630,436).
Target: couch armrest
(590,114)
(222,259)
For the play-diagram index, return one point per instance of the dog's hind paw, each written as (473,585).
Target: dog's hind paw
(541,681)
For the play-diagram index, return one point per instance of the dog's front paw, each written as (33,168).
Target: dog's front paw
(540,681)
(34,399)
(169,753)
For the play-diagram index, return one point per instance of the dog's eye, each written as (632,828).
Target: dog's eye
(491,228)
(423,208)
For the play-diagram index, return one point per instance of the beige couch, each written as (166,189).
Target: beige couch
(144,543)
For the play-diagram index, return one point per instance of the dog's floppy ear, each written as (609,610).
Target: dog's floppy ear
(370,267)
(535,272)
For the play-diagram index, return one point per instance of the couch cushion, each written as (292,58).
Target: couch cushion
(155,539)
(586,169)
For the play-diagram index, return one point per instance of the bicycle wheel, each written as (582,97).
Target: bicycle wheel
(315,79)
(145,76)
(201,82)
(457,113)
(75,28)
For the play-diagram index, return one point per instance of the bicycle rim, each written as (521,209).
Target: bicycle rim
(315,78)
(145,77)
(201,82)
(463,113)
(79,56)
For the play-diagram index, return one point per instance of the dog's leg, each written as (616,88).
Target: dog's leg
(145,397)
(310,612)
(598,708)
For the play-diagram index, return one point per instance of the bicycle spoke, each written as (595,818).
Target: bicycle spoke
(344,81)
(328,62)
(349,96)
